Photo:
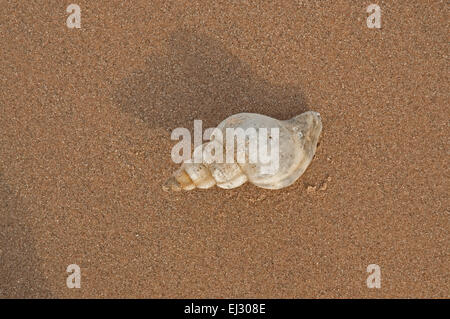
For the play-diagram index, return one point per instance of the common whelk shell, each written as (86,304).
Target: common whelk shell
(297,143)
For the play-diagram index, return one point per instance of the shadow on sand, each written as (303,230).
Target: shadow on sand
(199,79)
(20,269)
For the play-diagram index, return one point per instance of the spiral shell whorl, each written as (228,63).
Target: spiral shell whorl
(203,176)
(298,138)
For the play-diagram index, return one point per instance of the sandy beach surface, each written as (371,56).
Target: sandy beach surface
(85,123)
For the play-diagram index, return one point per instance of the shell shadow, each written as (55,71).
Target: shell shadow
(199,79)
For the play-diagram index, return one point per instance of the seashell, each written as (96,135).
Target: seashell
(297,143)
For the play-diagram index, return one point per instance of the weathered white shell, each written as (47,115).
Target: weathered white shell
(298,138)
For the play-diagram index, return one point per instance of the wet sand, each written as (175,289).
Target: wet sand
(86,117)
